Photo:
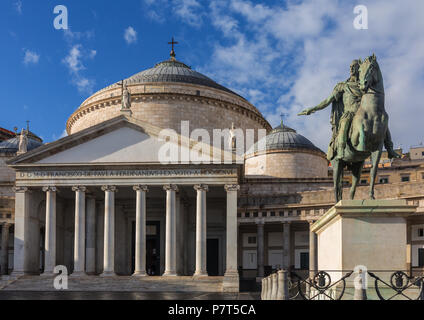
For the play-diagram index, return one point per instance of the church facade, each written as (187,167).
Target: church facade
(122,195)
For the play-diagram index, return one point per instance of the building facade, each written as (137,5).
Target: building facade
(102,201)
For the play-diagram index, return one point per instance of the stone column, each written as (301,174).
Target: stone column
(22,243)
(140,231)
(286,246)
(312,252)
(170,242)
(231,277)
(201,230)
(109,232)
(50,236)
(5,248)
(90,250)
(79,236)
(260,248)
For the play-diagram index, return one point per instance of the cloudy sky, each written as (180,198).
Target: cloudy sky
(280,55)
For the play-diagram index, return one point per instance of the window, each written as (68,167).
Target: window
(304,260)
(363,181)
(249,240)
(255,214)
(282,212)
(421,257)
(422,175)
(384,180)
(272,214)
(422,153)
(421,232)
(405,178)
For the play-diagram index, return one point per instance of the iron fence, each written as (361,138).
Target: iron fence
(342,285)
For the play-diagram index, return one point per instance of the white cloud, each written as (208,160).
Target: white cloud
(189,11)
(92,54)
(73,59)
(84,85)
(130,35)
(74,63)
(31,57)
(285,58)
(18,6)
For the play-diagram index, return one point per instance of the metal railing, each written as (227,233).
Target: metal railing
(319,285)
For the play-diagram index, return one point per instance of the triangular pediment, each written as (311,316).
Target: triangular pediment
(119,140)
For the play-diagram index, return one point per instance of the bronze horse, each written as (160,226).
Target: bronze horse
(367,131)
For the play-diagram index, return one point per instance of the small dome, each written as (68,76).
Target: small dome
(12,145)
(171,71)
(283,138)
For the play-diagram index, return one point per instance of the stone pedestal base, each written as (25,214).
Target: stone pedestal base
(369,233)
(140,274)
(108,274)
(231,282)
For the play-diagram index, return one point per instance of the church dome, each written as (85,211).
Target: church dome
(283,138)
(284,153)
(166,95)
(12,145)
(171,71)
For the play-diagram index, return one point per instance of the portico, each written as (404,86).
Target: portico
(124,218)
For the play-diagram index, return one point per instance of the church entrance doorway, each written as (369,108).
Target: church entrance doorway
(212,257)
(152,248)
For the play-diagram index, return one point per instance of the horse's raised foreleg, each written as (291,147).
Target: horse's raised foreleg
(356,176)
(337,179)
(375,159)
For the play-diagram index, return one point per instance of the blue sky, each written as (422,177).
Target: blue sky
(281,55)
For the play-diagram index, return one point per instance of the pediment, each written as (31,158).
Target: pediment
(120,140)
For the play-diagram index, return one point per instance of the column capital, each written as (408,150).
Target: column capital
(20,189)
(231,187)
(109,188)
(170,187)
(79,188)
(201,187)
(286,222)
(140,187)
(6,225)
(260,222)
(49,188)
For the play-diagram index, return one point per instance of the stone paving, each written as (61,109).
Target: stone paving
(118,284)
(74,295)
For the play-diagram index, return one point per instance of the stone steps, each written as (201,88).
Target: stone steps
(120,283)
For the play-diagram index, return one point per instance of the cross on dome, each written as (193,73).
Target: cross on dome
(172,43)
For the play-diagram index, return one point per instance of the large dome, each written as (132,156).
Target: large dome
(166,95)
(171,71)
(285,154)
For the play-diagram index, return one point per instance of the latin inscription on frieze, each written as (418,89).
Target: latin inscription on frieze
(122,173)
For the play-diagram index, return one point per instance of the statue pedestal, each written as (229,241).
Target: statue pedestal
(370,233)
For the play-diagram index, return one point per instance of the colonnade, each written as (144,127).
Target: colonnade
(84,246)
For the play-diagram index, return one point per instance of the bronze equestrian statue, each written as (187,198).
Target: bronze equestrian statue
(359,124)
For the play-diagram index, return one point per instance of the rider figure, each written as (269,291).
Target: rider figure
(345,99)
